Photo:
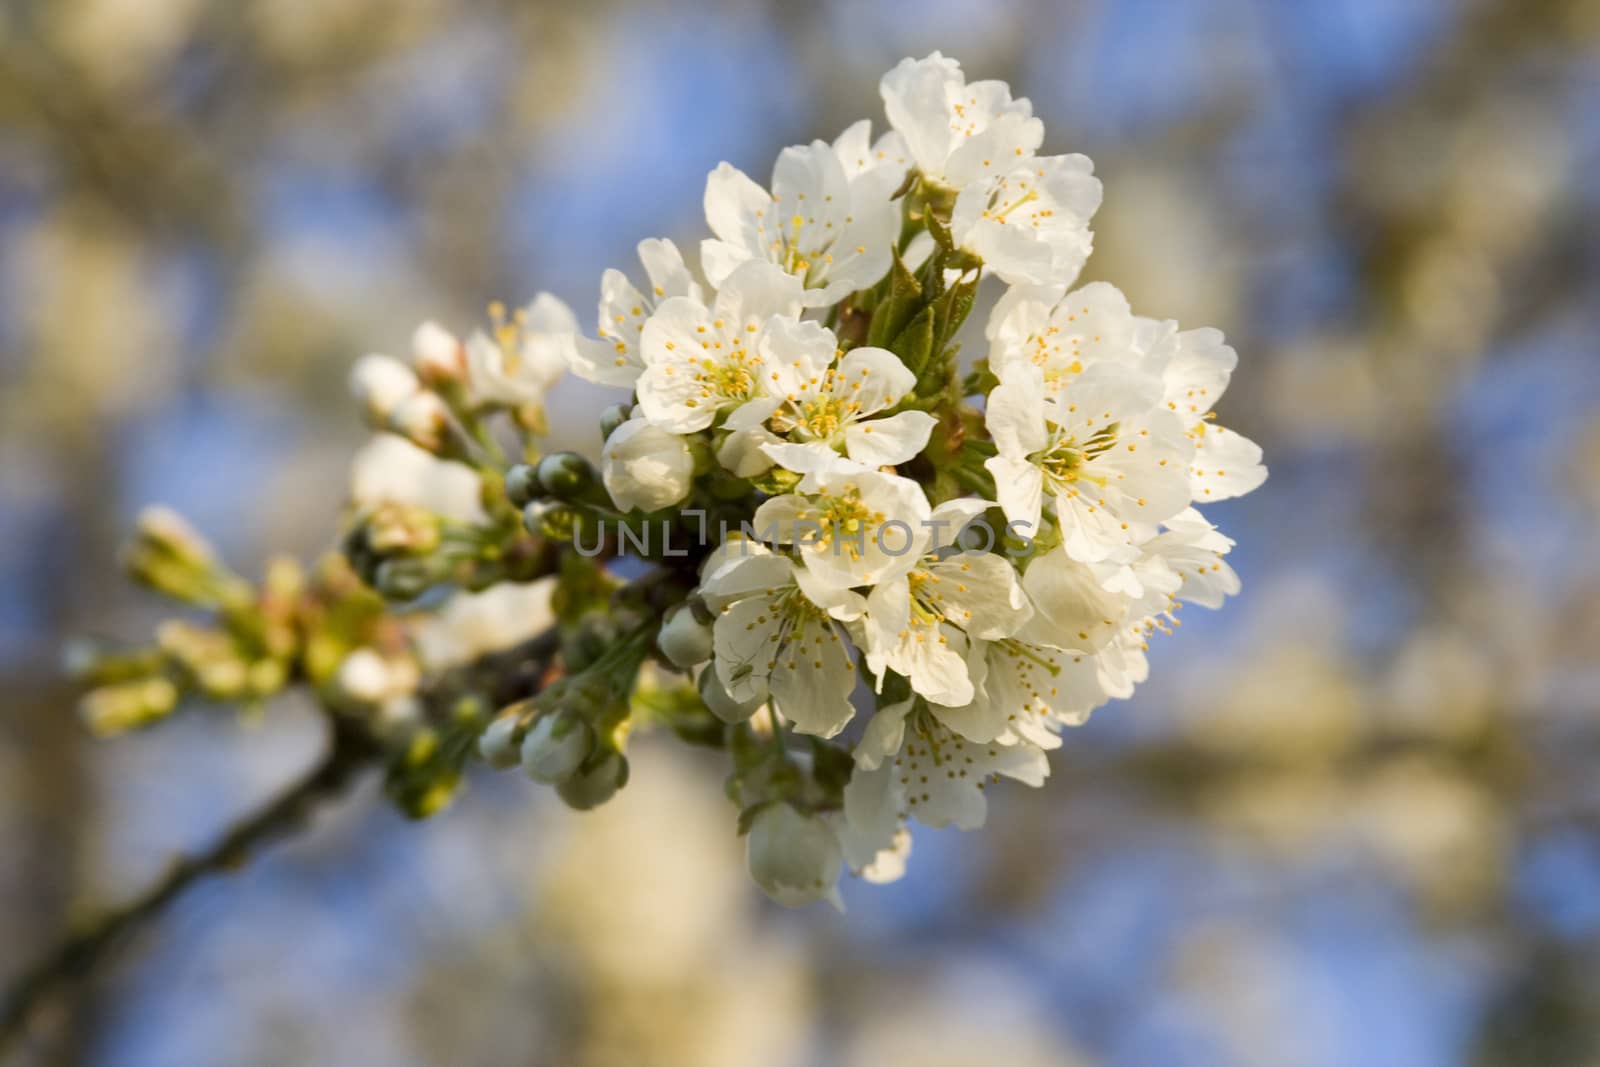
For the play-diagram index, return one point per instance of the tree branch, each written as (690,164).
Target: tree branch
(75,957)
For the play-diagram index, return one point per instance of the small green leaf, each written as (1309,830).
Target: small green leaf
(915,343)
(954,307)
(891,316)
(981,381)
(939,230)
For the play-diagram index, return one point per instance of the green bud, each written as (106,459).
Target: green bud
(114,709)
(403,579)
(522,485)
(776,481)
(596,782)
(550,518)
(566,475)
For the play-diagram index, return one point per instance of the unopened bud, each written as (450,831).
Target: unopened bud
(551,518)
(364,677)
(596,782)
(381,384)
(170,533)
(794,857)
(423,419)
(721,704)
(684,639)
(114,709)
(555,747)
(497,744)
(403,579)
(522,485)
(566,475)
(436,354)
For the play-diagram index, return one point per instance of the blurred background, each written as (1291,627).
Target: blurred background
(1352,819)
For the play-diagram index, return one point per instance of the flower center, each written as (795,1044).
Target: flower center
(846,520)
(730,379)
(1065,461)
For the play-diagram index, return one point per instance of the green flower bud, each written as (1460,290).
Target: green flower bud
(402,579)
(114,709)
(596,782)
(522,485)
(555,747)
(776,481)
(550,518)
(566,475)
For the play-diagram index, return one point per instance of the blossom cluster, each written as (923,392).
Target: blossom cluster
(923,569)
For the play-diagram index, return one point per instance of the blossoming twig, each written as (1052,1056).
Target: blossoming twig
(879,580)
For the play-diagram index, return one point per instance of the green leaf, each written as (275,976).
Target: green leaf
(954,307)
(981,381)
(939,231)
(914,344)
(905,296)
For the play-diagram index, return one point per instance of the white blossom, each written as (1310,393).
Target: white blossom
(1030,222)
(1108,457)
(815,399)
(684,640)
(616,357)
(554,748)
(496,744)
(391,470)
(701,360)
(918,623)
(957,133)
(436,354)
(832,230)
(523,355)
(1197,365)
(852,525)
(381,384)
(472,625)
(778,635)
(846,589)
(910,764)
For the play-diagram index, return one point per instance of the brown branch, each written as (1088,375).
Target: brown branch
(75,957)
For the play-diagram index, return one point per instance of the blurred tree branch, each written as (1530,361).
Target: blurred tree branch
(350,751)
(507,675)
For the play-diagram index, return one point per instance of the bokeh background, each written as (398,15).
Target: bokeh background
(1352,819)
